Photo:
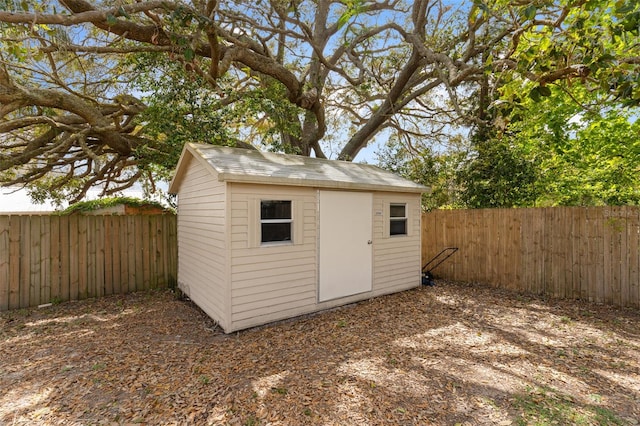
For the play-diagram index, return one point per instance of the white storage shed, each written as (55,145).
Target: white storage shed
(264,236)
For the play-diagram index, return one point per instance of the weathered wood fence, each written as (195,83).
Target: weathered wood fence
(583,253)
(49,258)
(569,252)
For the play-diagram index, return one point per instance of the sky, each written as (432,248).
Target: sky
(12,201)
(16,200)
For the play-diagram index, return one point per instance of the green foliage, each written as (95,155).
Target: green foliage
(91,205)
(352,9)
(600,166)
(499,175)
(580,157)
(183,107)
(263,109)
(596,36)
(180,109)
(545,152)
(438,171)
(48,188)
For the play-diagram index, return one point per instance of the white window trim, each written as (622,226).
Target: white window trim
(290,221)
(404,218)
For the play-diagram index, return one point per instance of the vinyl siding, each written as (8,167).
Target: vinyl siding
(202,248)
(271,282)
(396,259)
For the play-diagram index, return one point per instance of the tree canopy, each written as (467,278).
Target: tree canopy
(105,93)
(548,152)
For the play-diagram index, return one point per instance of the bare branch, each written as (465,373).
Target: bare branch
(92,15)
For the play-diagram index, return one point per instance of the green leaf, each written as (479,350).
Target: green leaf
(344,18)
(544,91)
(624,7)
(189,54)
(530,12)
(111,20)
(123,12)
(535,94)
(354,7)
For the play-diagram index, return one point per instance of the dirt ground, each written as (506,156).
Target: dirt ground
(446,355)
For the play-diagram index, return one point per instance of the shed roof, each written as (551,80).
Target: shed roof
(251,166)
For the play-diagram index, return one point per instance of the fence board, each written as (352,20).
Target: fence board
(108,255)
(564,251)
(131,239)
(600,261)
(25,261)
(14,261)
(140,253)
(478,244)
(91,257)
(623,260)
(83,257)
(118,253)
(608,239)
(592,253)
(34,261)
(54,249)
(426,237)
(100,257)
(540,247)
(452,241)
(125,255)
(462,240)
(145,282)
(46,258)
(65,258)
(4,263)
(579,250)
(474,243)
(514,245)
(633,247)
(502,268)
(435,243)
(555,241)
(590,256)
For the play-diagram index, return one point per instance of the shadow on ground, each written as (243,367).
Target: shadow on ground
(450,354)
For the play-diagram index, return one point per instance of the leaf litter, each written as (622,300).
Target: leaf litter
(450,354)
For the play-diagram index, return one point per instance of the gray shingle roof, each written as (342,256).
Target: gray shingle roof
(250,166)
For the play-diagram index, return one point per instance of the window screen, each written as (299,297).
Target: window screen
(275,221)
(398,219)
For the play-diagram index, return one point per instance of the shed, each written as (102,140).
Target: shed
(264,236)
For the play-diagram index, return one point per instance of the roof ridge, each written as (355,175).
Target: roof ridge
(259,167)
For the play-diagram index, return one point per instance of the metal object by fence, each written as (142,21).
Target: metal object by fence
(588,253)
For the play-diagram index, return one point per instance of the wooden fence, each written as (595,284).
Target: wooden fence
(580,253)
(49,258)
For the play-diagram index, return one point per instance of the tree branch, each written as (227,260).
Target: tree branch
(88,14)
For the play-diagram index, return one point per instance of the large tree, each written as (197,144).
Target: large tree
(559,150)
(77,78)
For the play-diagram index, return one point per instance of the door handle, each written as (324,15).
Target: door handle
(369,242)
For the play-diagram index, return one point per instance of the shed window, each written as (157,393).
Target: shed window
(275,221)
(398,219)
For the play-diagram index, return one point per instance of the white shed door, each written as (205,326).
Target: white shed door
(345,244)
